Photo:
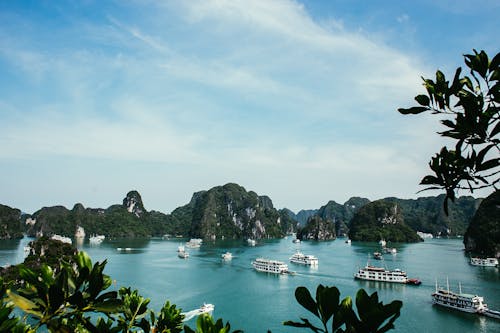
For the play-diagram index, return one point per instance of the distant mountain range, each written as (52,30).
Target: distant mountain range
(232,212)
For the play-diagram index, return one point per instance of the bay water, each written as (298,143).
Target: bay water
(257,302)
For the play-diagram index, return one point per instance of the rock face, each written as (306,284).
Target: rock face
(133,203)
(230,211)
(317,229)
(341,215)
(381,220)
(10,223)
(483,234)
(129,219)
(426,214)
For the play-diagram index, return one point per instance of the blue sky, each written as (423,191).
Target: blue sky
(295,100)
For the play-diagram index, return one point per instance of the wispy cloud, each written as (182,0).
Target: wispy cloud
(257,91)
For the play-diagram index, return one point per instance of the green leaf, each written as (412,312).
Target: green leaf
(413,110)
(423,100)
(490,164)
(24,304)
(328,302)
(305,299)
(109,306)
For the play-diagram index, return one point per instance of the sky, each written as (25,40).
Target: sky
(296,100)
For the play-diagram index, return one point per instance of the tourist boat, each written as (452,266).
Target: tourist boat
(96,239)
(348,241)
(205,308)
(63,239)
(296,240)
(251,242)
(80,233)
(391,250)
(492,313)
(227,256)
(304,259)
(382,243)
(377,255)
(486,262)
(462,302)
(270,266)
(194,243)
(182,253)
(373,273)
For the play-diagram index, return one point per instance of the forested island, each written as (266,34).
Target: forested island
(232,212)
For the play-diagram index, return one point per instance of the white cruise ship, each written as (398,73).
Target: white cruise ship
(304,259)
(462,302)
(372,273)
(270,266)
(487,262)
(96,239)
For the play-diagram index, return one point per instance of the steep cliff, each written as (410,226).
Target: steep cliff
(483,234)
(381,220)
(318,229)
(10,223)
(230,211)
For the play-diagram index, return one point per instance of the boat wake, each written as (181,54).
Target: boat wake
(205,308)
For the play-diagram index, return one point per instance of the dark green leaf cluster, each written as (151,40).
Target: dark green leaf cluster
(372,315)
(470,105)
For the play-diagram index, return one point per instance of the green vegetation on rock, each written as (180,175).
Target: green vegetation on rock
(10,223)
(381,220)
(317,229)
(483,235)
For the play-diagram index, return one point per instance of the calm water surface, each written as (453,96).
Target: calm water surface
(256,302)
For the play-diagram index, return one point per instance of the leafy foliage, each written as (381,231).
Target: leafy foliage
(206,324)
(470,107)
(372,315)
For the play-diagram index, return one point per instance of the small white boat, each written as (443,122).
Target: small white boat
(296,240)
(183,254)
(96,239)
(382,243)
(194,243)
(251,242)
(377,255)
(485,262)
(63,239)
(391,250)
(227,256)
(348,241)
(205,308)
(80,233)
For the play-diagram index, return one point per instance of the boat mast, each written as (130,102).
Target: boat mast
(460,287)
(447,285)
(436,285)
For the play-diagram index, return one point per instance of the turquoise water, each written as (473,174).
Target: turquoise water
(256,302)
